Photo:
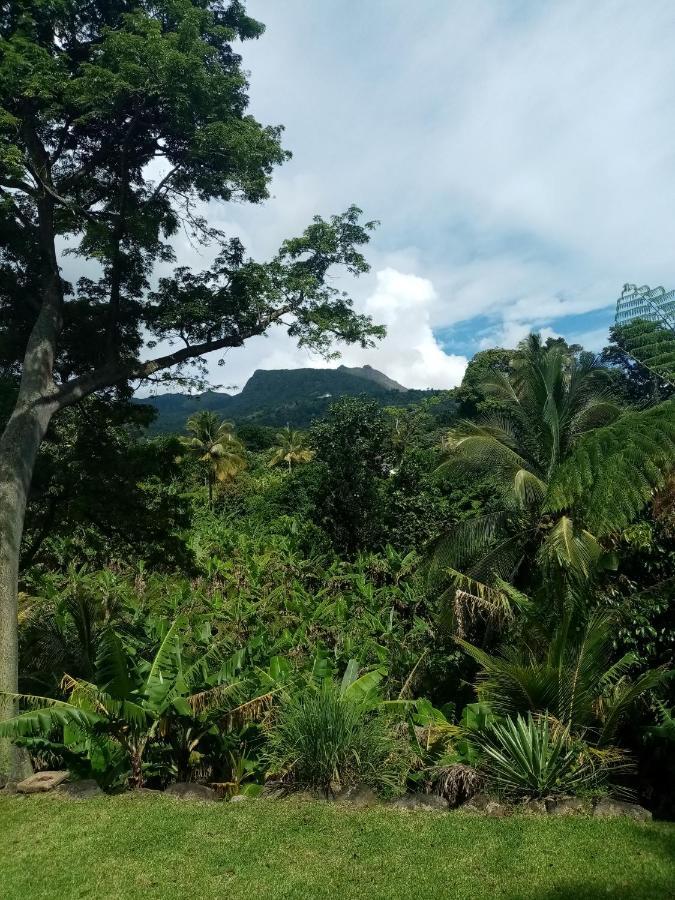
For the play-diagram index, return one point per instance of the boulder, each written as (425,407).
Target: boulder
(239,798)
(86,789)
(476,804)
(358,795)
(534,807)
(496,810)
(420,802)
(611,809)
(570,806)
(41,782)
(274,790)
(188,790)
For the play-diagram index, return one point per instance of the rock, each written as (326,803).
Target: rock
(274,790)
(239,798)
(188,790)
(476,804)
(611,809)
(41,782)
(420,802)
(571,806)
(358,795)
(86,789)
(481,803)
(534,807)
(496,810)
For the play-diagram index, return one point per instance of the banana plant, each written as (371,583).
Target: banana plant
(131,704)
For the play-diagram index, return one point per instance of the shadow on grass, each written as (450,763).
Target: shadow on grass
(657,886)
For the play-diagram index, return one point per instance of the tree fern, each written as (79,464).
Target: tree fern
(613,471)
(651,342)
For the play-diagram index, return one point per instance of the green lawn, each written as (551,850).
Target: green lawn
(145,846)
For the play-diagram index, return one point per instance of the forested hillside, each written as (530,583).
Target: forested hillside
(283,396)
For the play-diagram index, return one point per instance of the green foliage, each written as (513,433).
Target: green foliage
(566,675)
(290,449)
(353,451)
(166,706)
(215,446)
(535,757)
(328,736)
(612,472)
(541,407)
(651,345)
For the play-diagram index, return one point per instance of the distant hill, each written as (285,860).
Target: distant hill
(283,396)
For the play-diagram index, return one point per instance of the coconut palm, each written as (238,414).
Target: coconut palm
(215,445)
(553,440)
(290,448)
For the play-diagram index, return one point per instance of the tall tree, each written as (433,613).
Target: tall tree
(290,448)
(116,120)
(215,445)
(569,468)
(354,457)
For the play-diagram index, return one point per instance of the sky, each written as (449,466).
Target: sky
(520,157)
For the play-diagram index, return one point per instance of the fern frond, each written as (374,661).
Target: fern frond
(652,344)
(613,471)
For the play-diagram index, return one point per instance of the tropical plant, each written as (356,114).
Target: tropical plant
(649,338)
(536,757)
(91,94)
(328,736)
(554,435)
(290,448)
(132,705)
(215,445)
(566,675)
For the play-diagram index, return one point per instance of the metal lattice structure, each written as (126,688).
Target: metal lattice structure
(652,304)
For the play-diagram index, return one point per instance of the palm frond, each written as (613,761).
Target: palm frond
(572,549)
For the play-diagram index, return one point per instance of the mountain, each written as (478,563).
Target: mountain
(283,396)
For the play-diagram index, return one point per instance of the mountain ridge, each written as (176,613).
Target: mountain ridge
(283,396)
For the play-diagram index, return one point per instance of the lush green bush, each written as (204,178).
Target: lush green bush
(326,737)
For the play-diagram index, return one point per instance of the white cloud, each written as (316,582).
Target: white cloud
(409,353)
(520,156)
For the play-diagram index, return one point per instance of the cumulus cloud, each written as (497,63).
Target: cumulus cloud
(410,353)
(520,157)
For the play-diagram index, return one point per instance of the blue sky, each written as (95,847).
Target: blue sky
(519,155)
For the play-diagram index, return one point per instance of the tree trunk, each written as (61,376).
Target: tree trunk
(19,446)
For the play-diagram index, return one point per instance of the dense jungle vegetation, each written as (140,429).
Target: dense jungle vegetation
(449,597)
(388,598)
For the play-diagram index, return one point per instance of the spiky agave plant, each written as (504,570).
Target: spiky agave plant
(536,757)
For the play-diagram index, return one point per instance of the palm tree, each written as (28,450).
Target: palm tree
(566,675)
(215,445)
(568,466)
(290,449)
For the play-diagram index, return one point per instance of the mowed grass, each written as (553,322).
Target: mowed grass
(158,847)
